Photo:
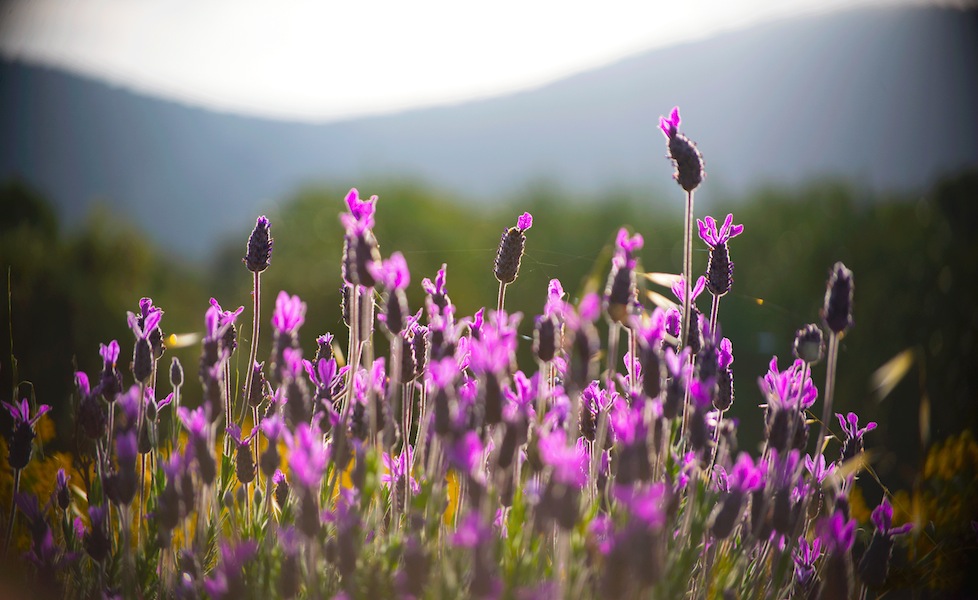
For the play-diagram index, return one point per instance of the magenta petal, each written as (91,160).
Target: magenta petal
(674,117)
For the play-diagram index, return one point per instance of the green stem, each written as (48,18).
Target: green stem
(833,359)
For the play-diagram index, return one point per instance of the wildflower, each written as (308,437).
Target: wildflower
(620,292)
(683,152)
(360,249)
(281,488)
(21,437)
(394,274)
(719,271)
(743,479)
(244,459)
(853,444)
(696,332)
(91,416)
(875,563)
(62,494)
(227,579)
(397,476)
(259,253)
(805,556)
(110,382)
(837,310)
(197,424)
(96,541)
(510,251)
(679,370)
(289,315)
(725,390)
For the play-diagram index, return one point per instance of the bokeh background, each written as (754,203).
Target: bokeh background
(141,140)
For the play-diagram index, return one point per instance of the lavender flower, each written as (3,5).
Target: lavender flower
(719,271)
(227,579)
(808,345)
(510,251)
(110,382)
(804,558)
(837,310)
(20,439)
(620,292)
(259,253)
(360,250)
(244,459)
(683,152)
(62,495)
(853,444)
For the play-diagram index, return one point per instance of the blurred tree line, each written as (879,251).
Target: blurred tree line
(913,256)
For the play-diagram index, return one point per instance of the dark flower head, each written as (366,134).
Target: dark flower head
(837,310)
(683,152)
(227,581)
(805,557)
(61,492)
(808,345)
(21,438)
(510,251)
(853,444)
(260,242)
(307,455)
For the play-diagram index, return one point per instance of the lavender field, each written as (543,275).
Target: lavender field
(588,449)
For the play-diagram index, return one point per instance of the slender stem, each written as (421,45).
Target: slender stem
(501,298)
(687,267)
(253,355)
(833,358)
(714,313)
(13,512)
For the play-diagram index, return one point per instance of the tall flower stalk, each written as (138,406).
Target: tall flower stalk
(20,445)
(508,256)
(257,258)
(689,174)
(837,316)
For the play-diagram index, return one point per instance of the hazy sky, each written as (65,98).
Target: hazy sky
(330,60)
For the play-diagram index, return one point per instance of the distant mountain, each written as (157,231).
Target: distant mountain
(885,97)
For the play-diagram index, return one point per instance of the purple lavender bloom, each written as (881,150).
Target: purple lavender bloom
(393,272)
(21,437)
(397,470)
(670,126)
(466,453)
(471,532)
(109,353)
(724,354)
(817,468)
(679,289)
(62,494)
(361,215)
(853,444)
(494,349)
(646,503)
(307,456)
(520,403)
(96,540)
(709,234)
(882,518)
(524,221)
(260,243)
(745,476)
(195,420)
(626,246)
(837,533)
(569,463)
(227,580)
(805,557)
(289,315)
(786,389)
(225,318)
(555,299)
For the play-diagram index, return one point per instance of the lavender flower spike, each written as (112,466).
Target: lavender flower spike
(709,233)
(684,154)
(22,434)
(259,255)
(290,313)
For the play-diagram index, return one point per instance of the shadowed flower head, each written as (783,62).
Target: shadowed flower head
(393,272)
(510,251)
(646,503)
(569,462)
(837,310)
(471,532)
(21,437)
(260,242)
(226,580)
(683,152)
(109,353)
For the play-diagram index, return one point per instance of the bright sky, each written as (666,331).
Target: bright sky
(329,60)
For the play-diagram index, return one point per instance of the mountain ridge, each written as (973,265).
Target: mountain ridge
(883,97)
